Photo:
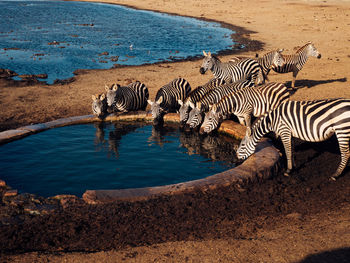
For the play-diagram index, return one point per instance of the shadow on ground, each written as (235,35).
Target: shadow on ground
(341,255)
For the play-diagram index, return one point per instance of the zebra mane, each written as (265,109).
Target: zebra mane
(303,47)
(215,57)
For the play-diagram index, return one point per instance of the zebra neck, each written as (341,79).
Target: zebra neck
(302,58)
(217,69)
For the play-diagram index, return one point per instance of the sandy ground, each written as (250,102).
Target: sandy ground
(278,24)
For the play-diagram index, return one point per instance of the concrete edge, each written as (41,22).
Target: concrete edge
(260,166)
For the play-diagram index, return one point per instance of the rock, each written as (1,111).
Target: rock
(12,192)
(294,216)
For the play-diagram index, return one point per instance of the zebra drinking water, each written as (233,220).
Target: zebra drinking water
(312,121)
(196,114)
(195,95)
(233,71)
(295,62)
(167,99)
(99,105)
(244,103)
(129,98)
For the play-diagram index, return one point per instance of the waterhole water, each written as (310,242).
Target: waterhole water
(57,38)
(71,159)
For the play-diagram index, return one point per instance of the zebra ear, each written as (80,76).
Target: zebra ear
(209,54)
(106,87)
(191,104)
(103,96)
(204,53)
(94,97)
(280,50)
(180,102)
(150,102)
(115,87)
(160,100)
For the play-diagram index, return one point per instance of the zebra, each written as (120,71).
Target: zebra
(99,105)
(129,98)
(195,95)
(311,121)
(167,98)
(271,60)
(295,62)
(244,103)
(233,71)
(196,114)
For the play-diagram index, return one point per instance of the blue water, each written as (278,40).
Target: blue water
(71,159)
(58,38)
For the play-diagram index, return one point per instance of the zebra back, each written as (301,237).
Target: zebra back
(131,98)
(178,89)
(214,96)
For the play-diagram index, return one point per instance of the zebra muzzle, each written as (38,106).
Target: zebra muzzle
(202,70)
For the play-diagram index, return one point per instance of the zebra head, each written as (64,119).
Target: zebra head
(99,105)
(184,111)
(157,111)
(245,148)
(195,116)
(312,50)
(278,59)
(111,93)
(211,120)
(208,62)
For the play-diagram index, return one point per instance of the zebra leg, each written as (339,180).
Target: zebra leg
(286,138)
(295,73)
(344,153)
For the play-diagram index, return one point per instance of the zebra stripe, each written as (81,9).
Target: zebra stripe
(195,95)
(233,71)
(271,60)
(214,96)
(311,121)
(99,105)
(129,98)
(167,98)
(295,62)
(245,103)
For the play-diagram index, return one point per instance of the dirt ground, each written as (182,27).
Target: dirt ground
(302,218)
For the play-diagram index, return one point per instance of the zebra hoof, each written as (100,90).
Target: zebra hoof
(332,178)
(286,174)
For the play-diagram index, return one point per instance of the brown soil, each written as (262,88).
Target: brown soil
(301,218)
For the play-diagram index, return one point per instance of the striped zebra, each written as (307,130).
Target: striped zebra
(167,99)
(99,105)
(127,98)
(195,117)
(271,60)
(233,71)
(245,103)
(195,95)
(295,62)
(311,121)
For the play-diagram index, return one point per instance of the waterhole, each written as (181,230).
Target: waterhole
(71,159)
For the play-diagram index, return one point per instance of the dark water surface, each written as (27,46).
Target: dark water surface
(71,159)
(56,38)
